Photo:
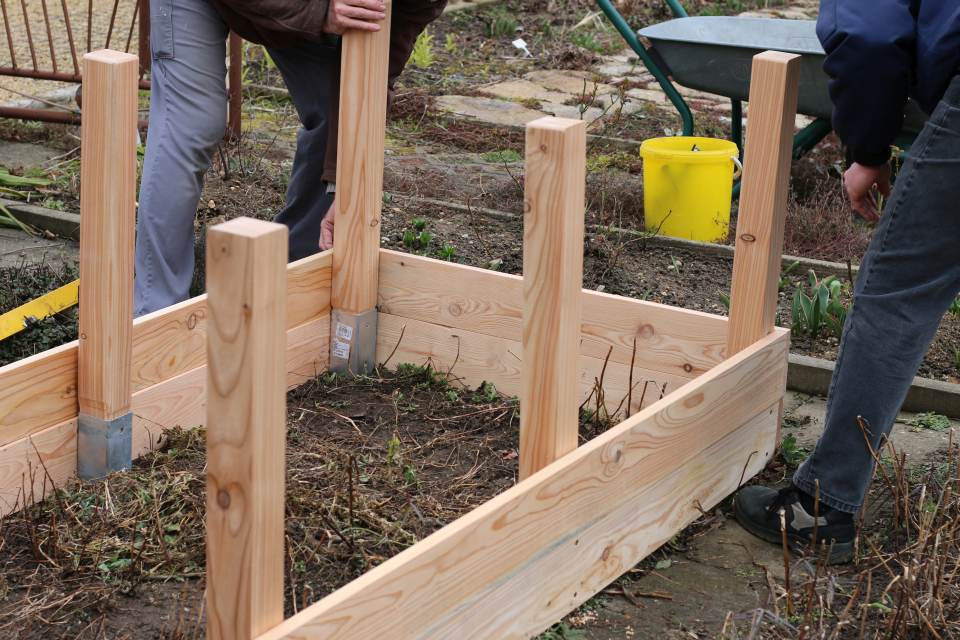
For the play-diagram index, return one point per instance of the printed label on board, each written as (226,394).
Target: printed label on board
(341,350)
(344,332)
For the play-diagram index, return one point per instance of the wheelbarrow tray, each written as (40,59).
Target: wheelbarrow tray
(714,54)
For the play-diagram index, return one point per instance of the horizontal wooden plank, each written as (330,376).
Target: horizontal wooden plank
(572,569)
(425,591)
(179,401)
(473,358)
(680,342)
(40,391)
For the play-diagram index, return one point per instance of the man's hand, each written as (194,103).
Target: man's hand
(354,14)
(326,228)
(859,181)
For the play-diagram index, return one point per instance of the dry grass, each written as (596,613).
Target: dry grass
(905,581)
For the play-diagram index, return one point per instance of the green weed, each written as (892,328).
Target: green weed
(422,56)
(929,421)
(955,307)
(502,156)
(502,24)
(450,44)
(791,452)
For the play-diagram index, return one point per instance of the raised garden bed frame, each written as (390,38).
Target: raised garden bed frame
(703,393)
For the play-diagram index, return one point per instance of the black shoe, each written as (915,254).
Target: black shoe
(757,509)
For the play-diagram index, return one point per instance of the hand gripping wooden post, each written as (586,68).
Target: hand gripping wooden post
(108,177)
(356,246)
(763,198)
(246,427)
(552,281)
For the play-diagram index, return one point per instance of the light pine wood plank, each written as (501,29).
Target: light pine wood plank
(363,113)
(422,592)
(172,341)
(556,152)
(108,179)
(38,392)
(474,358)
(679,342)
(583,562)
(41,391)
(246,427)
(763,199)
(31,467)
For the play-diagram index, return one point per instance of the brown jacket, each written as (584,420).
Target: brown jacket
(277,23)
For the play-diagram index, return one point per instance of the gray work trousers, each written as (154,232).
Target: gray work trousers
(908,278)
(188,109)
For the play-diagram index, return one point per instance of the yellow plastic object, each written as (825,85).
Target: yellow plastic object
(688,186)
(15,321)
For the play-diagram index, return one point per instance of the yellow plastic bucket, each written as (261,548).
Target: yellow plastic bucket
(688,186)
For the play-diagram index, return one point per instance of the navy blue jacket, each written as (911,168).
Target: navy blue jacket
(878,53)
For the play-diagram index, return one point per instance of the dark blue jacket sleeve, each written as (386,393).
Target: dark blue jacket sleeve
(869,45)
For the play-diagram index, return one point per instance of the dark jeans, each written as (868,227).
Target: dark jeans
(908,278)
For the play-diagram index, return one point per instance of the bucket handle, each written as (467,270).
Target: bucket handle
(738,171)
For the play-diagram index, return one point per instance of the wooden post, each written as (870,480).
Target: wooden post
(359,200)
(763,198)
(108,177)
(552,280)
(246,427)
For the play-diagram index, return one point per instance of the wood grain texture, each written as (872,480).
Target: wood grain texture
(363,114)
(473,358)
(180,401)
(41,391)
(679,342)
(763,198)
(38,392)
(171,341)
(246,427)
(32,467)
(556,155)
(108,180)
(439,588)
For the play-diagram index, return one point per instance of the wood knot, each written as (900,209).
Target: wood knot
(193,319)
(647,331)
(688,368)
(748,237)
(375,222)
(543,148)
(693,401)
(83,336)
(527,207)
(606,553)
(223,498)
(455,309)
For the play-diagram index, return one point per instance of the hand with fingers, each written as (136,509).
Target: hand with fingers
(363,15)
(859,181)
(326,228)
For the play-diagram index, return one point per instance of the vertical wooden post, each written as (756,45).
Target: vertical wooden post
(246,427)
(356,246)
(552,280)
(763,198)
(108,177)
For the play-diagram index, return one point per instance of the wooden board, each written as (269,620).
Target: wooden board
(246,427)
(364,62)
(754,296)
(41,391)
(474,358)
(672,452)
(179,401)
(552,282)
(678,342)
(108,179)
(38,392)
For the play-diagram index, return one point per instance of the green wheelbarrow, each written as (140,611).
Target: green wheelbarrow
(714,54)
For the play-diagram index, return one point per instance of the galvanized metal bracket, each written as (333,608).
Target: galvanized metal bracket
(103,446)
(353,342)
